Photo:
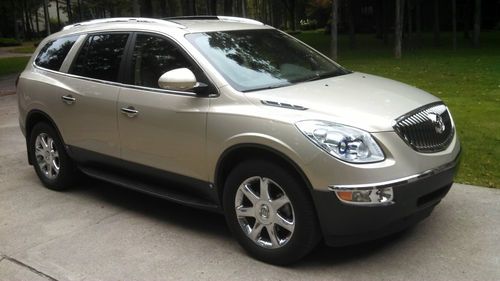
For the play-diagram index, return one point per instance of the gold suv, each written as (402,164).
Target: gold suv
(233,116)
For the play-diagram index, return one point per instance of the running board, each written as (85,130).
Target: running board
(152,189)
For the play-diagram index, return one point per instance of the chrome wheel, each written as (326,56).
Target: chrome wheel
(264,212)
(47,156)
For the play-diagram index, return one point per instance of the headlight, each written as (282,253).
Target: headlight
(343,142)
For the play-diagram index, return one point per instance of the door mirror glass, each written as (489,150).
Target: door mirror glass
(180,79)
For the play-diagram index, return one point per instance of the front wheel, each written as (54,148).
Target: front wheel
(270,212)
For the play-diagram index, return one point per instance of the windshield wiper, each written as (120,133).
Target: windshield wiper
(320,76)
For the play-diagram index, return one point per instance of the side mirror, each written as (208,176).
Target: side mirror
(180,79)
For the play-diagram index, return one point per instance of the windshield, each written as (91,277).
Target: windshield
(262,59)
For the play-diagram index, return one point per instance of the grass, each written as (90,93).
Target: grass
(12,65)
(467,79)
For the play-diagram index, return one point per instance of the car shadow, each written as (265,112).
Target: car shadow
(158,209)
(212,224)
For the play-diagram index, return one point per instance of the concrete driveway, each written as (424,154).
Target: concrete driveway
(98,231)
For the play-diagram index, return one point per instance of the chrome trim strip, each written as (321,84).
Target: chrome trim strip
(283,105)
(397,182)
(192,94)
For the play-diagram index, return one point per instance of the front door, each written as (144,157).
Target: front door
(162,129)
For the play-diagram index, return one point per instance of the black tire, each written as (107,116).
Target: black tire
(305,235)
(67,173)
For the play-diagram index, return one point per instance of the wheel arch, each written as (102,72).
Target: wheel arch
(241,152)
(32,118)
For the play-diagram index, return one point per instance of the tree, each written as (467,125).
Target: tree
(47,17)
(454,23)
(334,30)
(436,22)
(398,36)
(211,7)
(228,7)
(352,18)
(477,22)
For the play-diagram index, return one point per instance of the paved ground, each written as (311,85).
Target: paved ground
(102,232)
(8,84)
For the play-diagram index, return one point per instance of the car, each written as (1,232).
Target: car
(234,116)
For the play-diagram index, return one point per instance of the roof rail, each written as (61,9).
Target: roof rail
(205,17)
(122,19)
(221,18)
(240,20)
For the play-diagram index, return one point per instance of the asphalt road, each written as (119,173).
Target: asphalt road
(98,231)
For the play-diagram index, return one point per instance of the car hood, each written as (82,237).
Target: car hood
(361,100)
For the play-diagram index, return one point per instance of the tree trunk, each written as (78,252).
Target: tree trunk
(454,23)
(26,17)
(436,23)
(211,7)
(334,32)
(398,28)
(270,11)
(409,34)
(352,30)
(58,14)
(293,20)
(37,23)
(47,17)
(228,7)
(68,10)
(385,36)
(418,23)
(477,22)
(467,20)
(244,8)
(378,17)
(80,11)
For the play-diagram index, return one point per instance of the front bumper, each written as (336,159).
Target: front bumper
(414,199)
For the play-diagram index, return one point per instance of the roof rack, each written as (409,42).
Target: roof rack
(122,19)
(221,18)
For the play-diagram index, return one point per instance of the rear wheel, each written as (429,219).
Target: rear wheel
(270,212)
(52,164)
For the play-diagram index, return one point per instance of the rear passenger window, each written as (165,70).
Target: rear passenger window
(53,53)
(100,57)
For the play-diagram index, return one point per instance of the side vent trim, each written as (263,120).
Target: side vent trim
(283,105)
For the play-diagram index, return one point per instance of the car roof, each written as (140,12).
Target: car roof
(179,25)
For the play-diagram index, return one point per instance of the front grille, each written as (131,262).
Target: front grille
(426,129)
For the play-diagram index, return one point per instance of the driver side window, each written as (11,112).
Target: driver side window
(152,57)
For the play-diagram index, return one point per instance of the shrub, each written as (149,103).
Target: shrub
(6,42)
(308,24)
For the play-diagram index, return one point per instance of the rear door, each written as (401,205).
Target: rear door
(168,129)
(89,101)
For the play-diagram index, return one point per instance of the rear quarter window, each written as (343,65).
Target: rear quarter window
(52,55)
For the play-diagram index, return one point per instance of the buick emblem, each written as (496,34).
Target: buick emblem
(437,121)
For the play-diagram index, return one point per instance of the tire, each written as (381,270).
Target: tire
(54,167)
(287,213)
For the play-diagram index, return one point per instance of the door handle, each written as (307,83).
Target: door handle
(68,99)
(129,111)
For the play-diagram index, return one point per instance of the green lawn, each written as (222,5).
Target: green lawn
(12,65)
(467,79)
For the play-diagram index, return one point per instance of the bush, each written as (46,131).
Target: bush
(7,42)
(308,24)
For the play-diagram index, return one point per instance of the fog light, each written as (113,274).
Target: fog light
(366,196)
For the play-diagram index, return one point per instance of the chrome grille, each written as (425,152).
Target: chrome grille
(426,129)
